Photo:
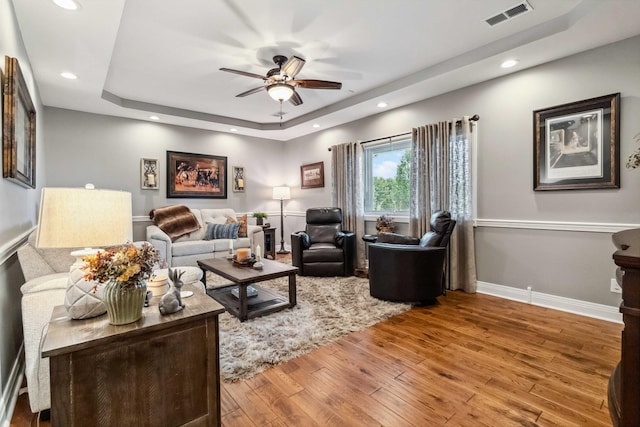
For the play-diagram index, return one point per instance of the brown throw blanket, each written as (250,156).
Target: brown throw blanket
(175,220)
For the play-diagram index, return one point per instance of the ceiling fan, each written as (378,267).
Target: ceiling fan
(280,82)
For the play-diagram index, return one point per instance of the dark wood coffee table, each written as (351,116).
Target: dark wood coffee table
(267,301)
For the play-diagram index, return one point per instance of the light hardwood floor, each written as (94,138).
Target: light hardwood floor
(470,360)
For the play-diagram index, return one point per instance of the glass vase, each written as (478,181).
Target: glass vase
(124,305)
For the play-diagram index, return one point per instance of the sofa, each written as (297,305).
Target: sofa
(187,249)
(46,272)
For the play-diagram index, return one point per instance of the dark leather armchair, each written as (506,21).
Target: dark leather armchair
(323,249)
(409,269)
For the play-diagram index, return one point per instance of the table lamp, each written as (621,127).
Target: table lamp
(82,218)
(282,193)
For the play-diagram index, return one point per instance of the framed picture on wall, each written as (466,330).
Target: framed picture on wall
(19,127)
(577,145)
(196,176)
(239,180)
(312,175)
(149,174)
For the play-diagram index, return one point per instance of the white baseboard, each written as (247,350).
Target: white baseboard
(570,305)
(10,393)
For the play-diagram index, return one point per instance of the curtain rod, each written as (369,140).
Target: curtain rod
(473,118)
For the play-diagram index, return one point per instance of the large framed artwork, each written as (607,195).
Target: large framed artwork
(312,175)
(18,128)
(577,145)
(196,176)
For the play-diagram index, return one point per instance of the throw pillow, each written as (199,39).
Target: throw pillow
(242,220)
(221,231)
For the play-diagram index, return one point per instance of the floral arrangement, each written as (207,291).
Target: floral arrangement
(634,159)
(384,223)
(127,264)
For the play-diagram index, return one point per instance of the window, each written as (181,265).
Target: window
(387,172)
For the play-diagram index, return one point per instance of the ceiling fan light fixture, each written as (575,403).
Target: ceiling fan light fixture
(280,92)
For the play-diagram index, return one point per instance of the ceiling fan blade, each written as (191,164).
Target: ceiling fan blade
(250,92)
(243,73)
(315,84)
(295,98)
(293,66)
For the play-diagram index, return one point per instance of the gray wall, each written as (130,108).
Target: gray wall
(106,151)
(570,264)
(18,211)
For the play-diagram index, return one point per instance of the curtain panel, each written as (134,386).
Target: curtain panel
(348,191)
(441,180)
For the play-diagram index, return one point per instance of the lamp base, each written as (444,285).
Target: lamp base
(283,251)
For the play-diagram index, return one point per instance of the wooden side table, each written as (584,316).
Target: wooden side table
(269,241)
(160,370)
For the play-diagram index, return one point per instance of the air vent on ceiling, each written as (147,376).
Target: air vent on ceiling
(510,13)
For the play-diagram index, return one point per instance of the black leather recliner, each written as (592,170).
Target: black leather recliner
(408,269)
(323,249)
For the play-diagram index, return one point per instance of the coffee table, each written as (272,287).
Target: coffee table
(267,301)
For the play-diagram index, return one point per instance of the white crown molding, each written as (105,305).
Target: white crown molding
(570,305)
(591,227)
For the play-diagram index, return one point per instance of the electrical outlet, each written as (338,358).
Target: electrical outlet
(615,287)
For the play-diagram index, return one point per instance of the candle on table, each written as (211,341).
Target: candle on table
(258,251)
(230,244)
(242,254)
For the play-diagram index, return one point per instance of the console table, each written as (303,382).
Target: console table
(160,370)
(624,383)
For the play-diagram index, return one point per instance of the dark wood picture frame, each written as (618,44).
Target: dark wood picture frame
(200,176)
(577,145)
(18,127)
(312,175)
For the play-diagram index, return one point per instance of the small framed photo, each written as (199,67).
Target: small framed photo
(577,145)
(312,175)
(239,180)
(200,176)
(149,170)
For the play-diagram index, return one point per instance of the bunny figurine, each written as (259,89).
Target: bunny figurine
(171,301)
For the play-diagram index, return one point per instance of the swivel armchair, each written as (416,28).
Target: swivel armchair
(323,248)
(409,269)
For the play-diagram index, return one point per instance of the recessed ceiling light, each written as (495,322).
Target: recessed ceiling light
(509,63)
(382,104)
(67,4)
(68,75)
(316,125)
(154,117)
(233,130)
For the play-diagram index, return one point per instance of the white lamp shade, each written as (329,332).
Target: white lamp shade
(78,217)
(280,91)
(281,193)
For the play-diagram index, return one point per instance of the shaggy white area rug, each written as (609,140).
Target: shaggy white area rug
(328,308)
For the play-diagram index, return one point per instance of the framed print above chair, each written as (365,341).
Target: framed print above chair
(577,145)
(312,175)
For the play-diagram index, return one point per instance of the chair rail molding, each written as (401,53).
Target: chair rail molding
(8,249)
(590,227)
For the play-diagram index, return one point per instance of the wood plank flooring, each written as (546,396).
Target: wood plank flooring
(471,360)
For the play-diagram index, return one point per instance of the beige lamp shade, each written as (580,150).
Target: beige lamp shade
(78,217)
(281,193)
